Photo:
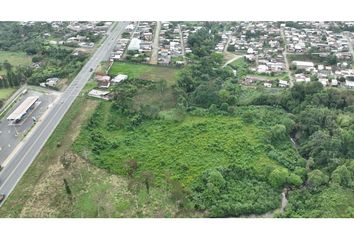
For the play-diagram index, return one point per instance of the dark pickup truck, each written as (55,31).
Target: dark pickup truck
(2,197)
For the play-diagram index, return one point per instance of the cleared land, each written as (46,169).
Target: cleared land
(145,72)
(14,58)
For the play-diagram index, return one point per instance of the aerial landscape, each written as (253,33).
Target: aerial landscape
(176,119)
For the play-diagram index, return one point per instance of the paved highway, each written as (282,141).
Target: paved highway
(34,142)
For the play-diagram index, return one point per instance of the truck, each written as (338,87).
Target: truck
(2,197)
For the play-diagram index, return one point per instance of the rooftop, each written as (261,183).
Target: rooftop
(22,109)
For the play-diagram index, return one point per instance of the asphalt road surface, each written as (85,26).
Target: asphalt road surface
(34,142)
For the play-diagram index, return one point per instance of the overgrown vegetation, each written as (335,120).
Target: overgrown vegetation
(200,144)
(200,130)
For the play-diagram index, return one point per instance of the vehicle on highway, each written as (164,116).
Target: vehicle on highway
(2,197)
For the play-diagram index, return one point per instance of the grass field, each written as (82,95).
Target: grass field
(279,76)
(145,72)
(14,58)
(5,93)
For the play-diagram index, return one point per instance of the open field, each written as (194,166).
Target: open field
(228,56)
(14,58)
(279,76)
(145,72)
(5,93)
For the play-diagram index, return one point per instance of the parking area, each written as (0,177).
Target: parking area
(11,134)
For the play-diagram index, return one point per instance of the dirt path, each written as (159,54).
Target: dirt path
(155,44)
(227,43)
(131,37)
(231,60)
(285,52)
(182,42)
(350,45)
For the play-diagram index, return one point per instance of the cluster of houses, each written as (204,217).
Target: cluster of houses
(122,43)
(255,35)
(221,46)
(80,41)
(265,44)
(171,45)
(140,45)
(94,26)
(105,81)
(261,44)
(327,75)
(135,43)
(314,36)
(119,49)
(186,30)
(103,84)
(50,82)
(266,82)
(72,31)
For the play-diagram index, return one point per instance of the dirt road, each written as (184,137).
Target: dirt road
(155,44)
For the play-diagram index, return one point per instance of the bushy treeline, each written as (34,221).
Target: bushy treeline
(55,62)
(50,61)
(25,38)
(324,130)
(233,191)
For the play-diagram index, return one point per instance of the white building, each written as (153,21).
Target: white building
(283,83)
(349,84)
(302,64)
(119,78)
(262,69)
(134,44)
(20,112)
(324,81)
(99,94)
(52,82)
(334,83)
(268,85)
